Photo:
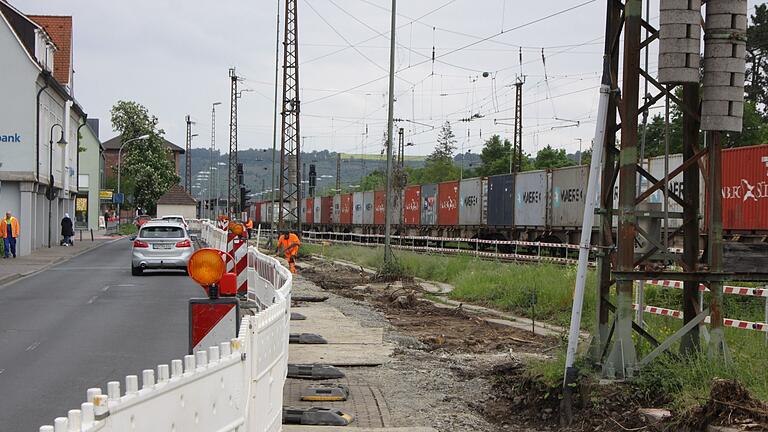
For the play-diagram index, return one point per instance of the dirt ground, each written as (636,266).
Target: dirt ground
(460,373)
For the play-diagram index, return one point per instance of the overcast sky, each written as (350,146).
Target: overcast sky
(173,57)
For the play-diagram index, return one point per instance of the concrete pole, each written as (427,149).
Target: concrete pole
(390,121)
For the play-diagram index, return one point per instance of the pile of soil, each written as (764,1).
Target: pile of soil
(729,404)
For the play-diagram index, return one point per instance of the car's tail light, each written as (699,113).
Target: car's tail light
(184,244)
(140,244)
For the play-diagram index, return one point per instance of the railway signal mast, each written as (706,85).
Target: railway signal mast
(290,148)
(188,157)
(233,185)
(620,261)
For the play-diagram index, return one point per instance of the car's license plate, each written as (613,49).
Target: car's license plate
(161,246)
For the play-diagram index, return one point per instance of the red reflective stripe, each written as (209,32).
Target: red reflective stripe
(205,317)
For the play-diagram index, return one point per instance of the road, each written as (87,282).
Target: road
(83,323)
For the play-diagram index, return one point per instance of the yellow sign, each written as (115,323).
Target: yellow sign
(81,204)
(105,194)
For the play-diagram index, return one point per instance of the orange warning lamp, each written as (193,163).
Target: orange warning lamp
(206,266)
(236,228)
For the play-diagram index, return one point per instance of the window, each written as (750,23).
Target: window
(161,232)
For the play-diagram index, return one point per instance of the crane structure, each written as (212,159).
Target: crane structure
(290,147)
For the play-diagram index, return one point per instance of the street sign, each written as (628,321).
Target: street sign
(118,198)
(105,194)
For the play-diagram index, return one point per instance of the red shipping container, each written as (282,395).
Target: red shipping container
(310,212)
(448,203)
(345,217)
(745,188)
(412,208)
(378,207)
(326,209)
(257,213)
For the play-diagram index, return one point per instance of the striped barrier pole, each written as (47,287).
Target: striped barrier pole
(236,246)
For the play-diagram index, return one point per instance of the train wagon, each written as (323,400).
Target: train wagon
(326,210)
(357,208)
(473,201)
(429,204)
(378,207)
(531,197)
(317,209)
(448,203)
(412,205)
(336,209)
(745,189)
(368,208)
(569,192)
(501,200)
(345,209)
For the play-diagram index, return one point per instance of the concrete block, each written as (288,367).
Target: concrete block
(714,108)
(724,93)
(341,355)
(679,4)
(672,60)
(727,7)
(679,17)
(724,49)
(721,123)
(724,65)
(678,31)
(678,75)
(669,46)
(726,21)
(714,78)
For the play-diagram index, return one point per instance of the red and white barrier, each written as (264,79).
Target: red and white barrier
(237,247)
(744,325)
(727,289)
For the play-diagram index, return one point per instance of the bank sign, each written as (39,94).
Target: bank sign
(12,138)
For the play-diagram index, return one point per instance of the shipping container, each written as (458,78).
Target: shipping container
(473,203)
(531,195)
(745,188)
(501,201)
(346,209)
(357,208)
(336,211)
(256,217)
(265,213)
(327,210)
(378,207)
(317,210)
(412,205)
(448,203)
(368,208)
(307,211)
(303,210)
(429,204)
(569,192)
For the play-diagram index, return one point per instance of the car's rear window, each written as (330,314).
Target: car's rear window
(161,232)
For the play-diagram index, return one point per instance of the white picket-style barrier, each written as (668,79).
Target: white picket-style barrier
(235,386)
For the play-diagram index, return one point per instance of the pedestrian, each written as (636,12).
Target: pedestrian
(9,230)
(289,243)
(249,227)
(67,230)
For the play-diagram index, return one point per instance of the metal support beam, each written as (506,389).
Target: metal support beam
(689,342)
(690,325)
(717,346)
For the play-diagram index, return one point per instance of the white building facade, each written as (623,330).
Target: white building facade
(35,110)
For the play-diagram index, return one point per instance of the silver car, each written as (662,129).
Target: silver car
(161,245)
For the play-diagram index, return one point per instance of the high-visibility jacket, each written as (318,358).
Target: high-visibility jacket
(249,224)
(14,227)
(285,244)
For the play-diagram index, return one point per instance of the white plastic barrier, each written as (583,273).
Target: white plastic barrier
(236,386)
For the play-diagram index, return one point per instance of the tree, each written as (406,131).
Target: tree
(757,59)
(376,179)
(495,156)
(551,158)
(146,165)
(446,144)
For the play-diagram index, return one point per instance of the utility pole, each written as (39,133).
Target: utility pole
(400,147)
(388,259)
(290,147)
(188,158)
(233,188)
(516,158)
(338,173)
(211,166)
(274,116)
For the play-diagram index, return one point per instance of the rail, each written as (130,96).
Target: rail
(234,386)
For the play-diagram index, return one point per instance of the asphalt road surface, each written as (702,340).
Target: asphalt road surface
(83,323)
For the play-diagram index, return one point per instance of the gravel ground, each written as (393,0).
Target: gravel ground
(423,388)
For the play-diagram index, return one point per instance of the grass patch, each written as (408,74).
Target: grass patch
(127,229)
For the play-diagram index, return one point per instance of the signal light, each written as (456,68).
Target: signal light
(206,266)
(236,228)
(140,244)
(184,244)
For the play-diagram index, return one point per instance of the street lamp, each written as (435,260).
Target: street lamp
(120,170)
(62,141)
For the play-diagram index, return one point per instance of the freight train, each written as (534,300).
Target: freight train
(545,205)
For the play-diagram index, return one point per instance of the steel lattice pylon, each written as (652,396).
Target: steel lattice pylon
(290,148)
(233,188)
(517,149)
(188,158)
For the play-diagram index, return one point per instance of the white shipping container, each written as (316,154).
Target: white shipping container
(531,190)
(357,208)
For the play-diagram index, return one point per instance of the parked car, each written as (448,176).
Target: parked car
(175,218)
(161,244)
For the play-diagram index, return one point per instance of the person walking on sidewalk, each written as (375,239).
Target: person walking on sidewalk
(67,230)
(289,243)
(9,231)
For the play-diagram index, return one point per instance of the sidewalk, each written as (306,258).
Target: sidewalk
(15,268)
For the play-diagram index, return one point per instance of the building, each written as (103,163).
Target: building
(177,202)
(90,176)
(39,122)
(112,148)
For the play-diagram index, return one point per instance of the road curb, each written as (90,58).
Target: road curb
(10,279)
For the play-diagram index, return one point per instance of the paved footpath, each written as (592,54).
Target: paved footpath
(80,323)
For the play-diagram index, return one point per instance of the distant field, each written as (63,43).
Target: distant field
(379,157)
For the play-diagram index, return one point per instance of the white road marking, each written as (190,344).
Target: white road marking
(2,370)
(105,288)
(33,346)
(92,299)
(126,285)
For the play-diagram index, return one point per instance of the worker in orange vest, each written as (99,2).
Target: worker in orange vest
(9,231)
(289,243)
(249,227)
